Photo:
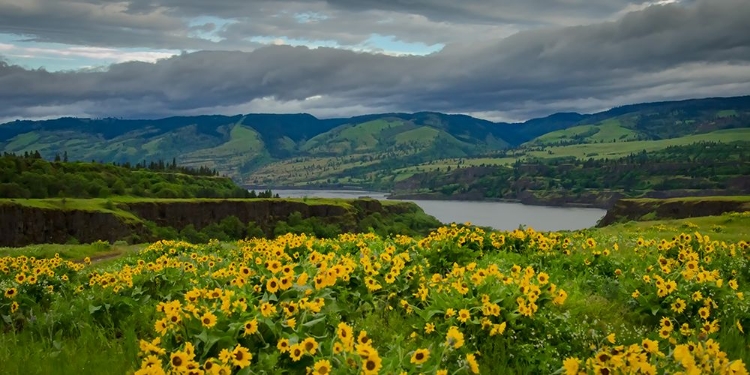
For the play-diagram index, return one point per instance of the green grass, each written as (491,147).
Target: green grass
(286,143)
(616,150)
(422,134)
(136,146)
(367,136)
(92,351)
(22,141)
(582,151)
(100,204)
(612,130)
(94,251)
(152,146)
(730,227)
(736,198)
(75,142)
(604,150)
(726,113)
(608,131)
(243,146)
(565,134)
(92,205)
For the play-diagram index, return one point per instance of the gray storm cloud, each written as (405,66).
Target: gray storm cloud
(167,23)
(662,52)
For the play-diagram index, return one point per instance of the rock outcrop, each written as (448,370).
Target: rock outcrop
(675,208)
(22,224)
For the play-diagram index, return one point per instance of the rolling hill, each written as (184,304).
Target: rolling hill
(300,149)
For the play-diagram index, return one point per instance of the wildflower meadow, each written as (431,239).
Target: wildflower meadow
(463,300)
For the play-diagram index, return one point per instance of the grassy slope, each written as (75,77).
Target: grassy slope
(609,150)
(243,146)
(419,135)
(358,146)
(612,130)
(606,131)
(22,142)
(133,146)
(727,227)
(350,138)
(739,198)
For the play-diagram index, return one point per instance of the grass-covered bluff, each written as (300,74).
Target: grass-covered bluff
(138,220)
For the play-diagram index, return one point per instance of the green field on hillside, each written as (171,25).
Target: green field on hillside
(418,135)
(607,131)
(609,150)
(244,145)
(581,151)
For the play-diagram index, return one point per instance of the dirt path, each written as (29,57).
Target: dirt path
(116,252)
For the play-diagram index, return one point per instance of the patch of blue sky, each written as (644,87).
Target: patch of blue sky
(390,44)
(294,42)
(375,43)
(20,50)
(219,24)
(53,64)
(309,17)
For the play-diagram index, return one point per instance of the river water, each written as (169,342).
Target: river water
(498,215)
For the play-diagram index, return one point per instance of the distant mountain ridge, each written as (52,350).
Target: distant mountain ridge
(268,148)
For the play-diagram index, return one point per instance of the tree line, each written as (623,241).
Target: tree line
(30,176)
(704,165)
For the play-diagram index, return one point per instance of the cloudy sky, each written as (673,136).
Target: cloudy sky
(495,59)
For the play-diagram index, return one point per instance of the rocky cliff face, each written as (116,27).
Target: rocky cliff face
(202,213)
(21,225)
(635,209)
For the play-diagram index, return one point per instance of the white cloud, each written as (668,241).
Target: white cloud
(635,7)
(98,53)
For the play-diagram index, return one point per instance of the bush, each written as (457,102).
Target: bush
(215,231)
(109,205)
(253,231)
(101,245)
(232,227)
(190,234)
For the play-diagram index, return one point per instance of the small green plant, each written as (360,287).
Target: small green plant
(101,245)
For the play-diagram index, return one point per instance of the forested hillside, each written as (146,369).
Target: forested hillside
(697,169)
(300,149)
(30,176)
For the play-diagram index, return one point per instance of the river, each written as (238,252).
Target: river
(498,215)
